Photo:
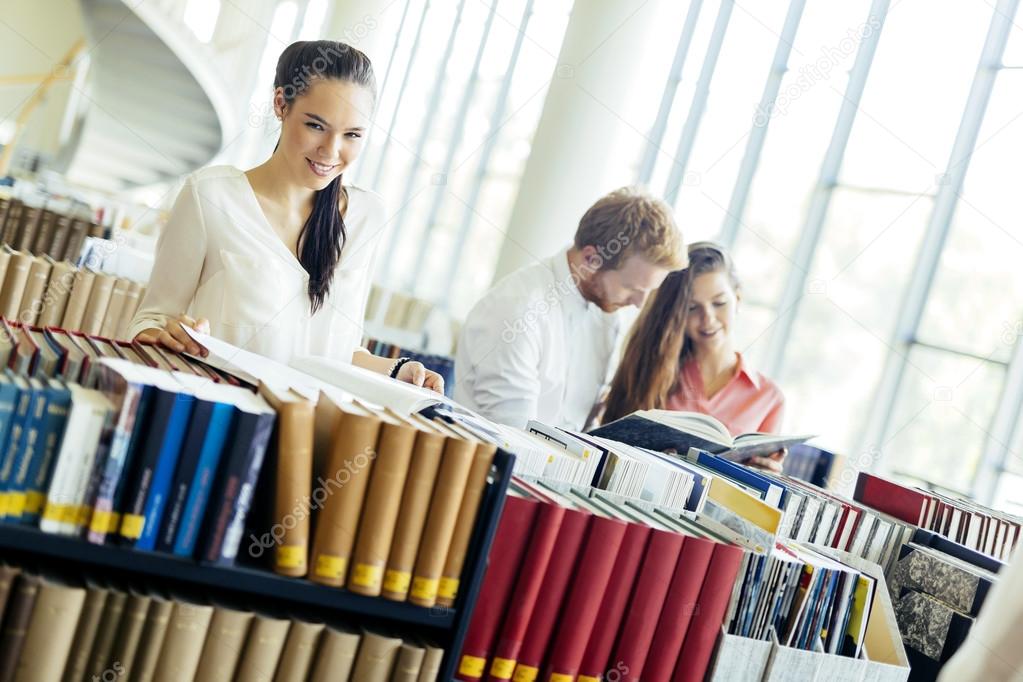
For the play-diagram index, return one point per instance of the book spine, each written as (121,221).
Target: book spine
(235,503)
(415,502)
(133,516)
(86,497)
(380,510)
(31,451)
(293,486)
(57,409)
(447,590)
(16,621)
(191,451)
(263,649)
(104,520)
(201,484)
(224,643)
(49,635)
(10,455)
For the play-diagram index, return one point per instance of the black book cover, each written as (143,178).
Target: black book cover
(191,448)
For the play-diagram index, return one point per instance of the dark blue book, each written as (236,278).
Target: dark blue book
(922,536)
(163,473)
(29,449)
(10,399)
(58,404)
(237,480)
(207,433)
(771,491)
(159,440)
(13,441)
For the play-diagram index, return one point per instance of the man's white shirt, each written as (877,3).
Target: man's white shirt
(534,348)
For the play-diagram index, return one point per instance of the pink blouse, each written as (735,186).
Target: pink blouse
(748,402)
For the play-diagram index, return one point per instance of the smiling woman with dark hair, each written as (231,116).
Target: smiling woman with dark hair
(278,259)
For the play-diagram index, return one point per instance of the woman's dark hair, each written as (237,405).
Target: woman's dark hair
(658,345)
(324,234)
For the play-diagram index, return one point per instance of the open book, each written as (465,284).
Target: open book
(670,430)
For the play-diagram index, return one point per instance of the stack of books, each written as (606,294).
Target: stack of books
(81,629)
(43,291)
(670,581)
(53,228)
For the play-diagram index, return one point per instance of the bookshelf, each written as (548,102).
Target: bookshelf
(445,626)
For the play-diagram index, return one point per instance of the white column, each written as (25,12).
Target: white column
(596,78)
(369,25)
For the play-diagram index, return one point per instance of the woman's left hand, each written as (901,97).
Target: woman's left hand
(416,374)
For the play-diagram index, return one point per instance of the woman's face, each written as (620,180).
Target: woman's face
(323,130)
(711,310)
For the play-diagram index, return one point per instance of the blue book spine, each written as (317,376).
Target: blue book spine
(170,450)
(739,473)
(191,448)
(10,396)
(202,483)
(58,404)
(10,452)
(29,450)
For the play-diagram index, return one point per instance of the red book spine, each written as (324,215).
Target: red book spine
(679,608)
(560,572)
(596,563)
(527,587)
(899,501)
(646,604)
(510,541)
(715,594)
(616,598)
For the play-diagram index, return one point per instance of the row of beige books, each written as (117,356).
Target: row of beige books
(55,228)
(45,292)
(57,630)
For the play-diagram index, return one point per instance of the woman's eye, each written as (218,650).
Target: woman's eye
(719,304)
(353,136)
(315,126)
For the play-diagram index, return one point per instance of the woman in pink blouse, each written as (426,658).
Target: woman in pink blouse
(681,354)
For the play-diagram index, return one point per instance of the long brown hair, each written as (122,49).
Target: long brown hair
(658,345)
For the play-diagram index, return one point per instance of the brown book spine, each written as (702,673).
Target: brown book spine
(79,231)
(182,645)
(263,649)
(30,216)
(50,633)
(474,487)
(5,207)
(294,482)
(410,663)
(131,304)
(58,291)
(336,658)
(130,633)
(347,477)
(106,634)
(441,520)
(13,222)
(32,300)
(224,643)
(44,237)
(299,650)
(112,316)
(376,658)
(99,299)
(5,261)
(8,574)
(430,670)
(85,634)
(415,503)
(78,300)
(61,235)
(14,284)
(12,638)
(151,642)
(380,511)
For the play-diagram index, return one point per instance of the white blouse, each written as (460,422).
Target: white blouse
(218,257)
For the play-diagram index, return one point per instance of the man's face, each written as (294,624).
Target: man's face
(630,284)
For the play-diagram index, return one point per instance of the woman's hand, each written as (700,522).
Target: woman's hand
(772,462)
(174,337)
(415,373)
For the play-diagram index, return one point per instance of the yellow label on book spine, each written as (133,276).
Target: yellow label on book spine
(34,502)
(328,566)
(53,512)
(472,666)
(525,673)
(502,668)
(3,505)
(561,677)
(291,556)
(131,526)
(588,678)
(15,504)
(364,575)
(397,581)
(448,588)
(424,588)
(104,521)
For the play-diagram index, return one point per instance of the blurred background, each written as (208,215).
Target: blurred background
(862,160)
